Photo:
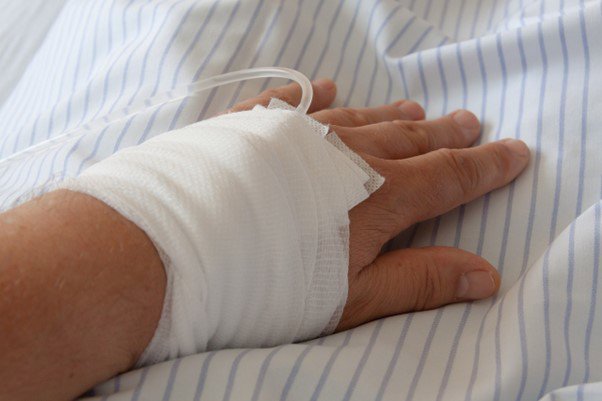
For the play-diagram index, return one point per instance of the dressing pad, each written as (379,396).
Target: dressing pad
(249,212)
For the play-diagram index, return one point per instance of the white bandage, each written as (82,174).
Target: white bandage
(249,212)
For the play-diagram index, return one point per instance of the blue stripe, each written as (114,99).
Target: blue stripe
(138,389)
(80,51)
(328,367)
(70,51)
(423,85)
(395,357)
(360,56)
(402,74)
(126,68)
(310,35)
(453,352)
(362,362)
(503,248)
(367,102)
(203,375)
(228,66)
(195,40)
(425,351)
(93,61)
(171,379)
(569,304)
(149,125)
(232,374)
(432,331)
(457,239)
(203,65)
(94,151)
(475,19)
(122,134)
(286,41)
(266,36)
(262,372)
(420,40)
(492,14)
(594,293)
(346,41)
(444,108)
(483,225)
(396,39)
(443,14)
(293,374)
(458,22)
(169,46)
(150,48)
(331,26)
(558,185)
(584,115)
(534,191)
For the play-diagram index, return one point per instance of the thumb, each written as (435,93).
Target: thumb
(411,280)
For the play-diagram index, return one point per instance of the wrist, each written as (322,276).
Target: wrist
(83,286)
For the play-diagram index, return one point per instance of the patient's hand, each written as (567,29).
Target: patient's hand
(83,287)
(428,171)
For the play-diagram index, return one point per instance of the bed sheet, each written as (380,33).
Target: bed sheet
(23,27)
(528,69)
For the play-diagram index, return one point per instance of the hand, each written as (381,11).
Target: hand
(77,276)
(428,171)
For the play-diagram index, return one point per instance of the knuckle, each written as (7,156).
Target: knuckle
(501,160)
(353,116)
(416,135)
(465,170)
(388,138)
(429,287)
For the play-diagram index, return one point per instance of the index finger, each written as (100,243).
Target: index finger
(439,181)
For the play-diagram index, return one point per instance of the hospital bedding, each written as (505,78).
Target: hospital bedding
(528,69)
(23,26)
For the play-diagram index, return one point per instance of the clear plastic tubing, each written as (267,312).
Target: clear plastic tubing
(254,73)
(174,95)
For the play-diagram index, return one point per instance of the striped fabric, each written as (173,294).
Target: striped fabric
(528,68)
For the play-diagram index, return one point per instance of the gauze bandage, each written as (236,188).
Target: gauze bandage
(249,212)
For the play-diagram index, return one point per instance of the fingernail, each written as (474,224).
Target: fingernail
(410,109)
(517,147)
(476,284)
(467,121)
(324,84)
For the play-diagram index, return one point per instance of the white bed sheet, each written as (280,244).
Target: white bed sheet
(531,71)
(23,27)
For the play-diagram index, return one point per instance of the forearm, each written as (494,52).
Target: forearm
(82,290)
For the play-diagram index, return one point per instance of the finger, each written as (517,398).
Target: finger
(357,117)
(401,139)
(411,280)
(426,186)
(324,93)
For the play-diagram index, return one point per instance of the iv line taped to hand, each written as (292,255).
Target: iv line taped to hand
(249,213)
(174,95)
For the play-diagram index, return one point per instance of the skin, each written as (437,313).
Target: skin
(82,287)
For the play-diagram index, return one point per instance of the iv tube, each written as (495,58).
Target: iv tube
(254,73)
(176,94)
